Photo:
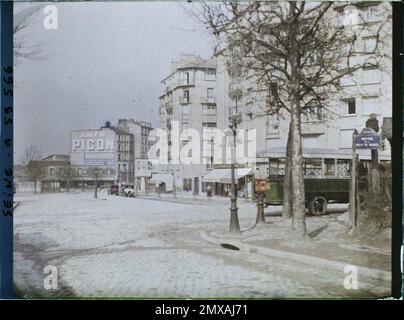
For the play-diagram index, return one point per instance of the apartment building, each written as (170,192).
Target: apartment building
(367,92)
(140,130)
(188,99)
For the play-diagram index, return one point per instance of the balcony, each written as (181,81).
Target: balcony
(208,100)
(169,107)
(235,90)
(209,112)
(313,127)
(185,82)
(185,100)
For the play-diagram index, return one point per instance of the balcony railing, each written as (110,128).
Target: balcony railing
(208,100)
(313,127)
(235,89)
(185,82)
(185,100)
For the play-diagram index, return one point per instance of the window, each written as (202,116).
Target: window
(350,106)
(369,44)
(273,91)
(210,93)
(371,75)
(249,95)
(369,14)
(210,74)
(209,109)
(186,95)
(208,124)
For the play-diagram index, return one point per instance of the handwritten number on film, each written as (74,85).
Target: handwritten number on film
(7,143)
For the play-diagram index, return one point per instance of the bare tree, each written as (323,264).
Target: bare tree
(96,174)
(31,153)
(21,21)
(305,51)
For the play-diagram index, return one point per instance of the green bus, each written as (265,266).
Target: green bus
(325,180)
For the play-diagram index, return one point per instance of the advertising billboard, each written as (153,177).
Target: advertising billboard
(93,148)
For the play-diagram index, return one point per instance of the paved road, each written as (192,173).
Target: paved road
(115,246)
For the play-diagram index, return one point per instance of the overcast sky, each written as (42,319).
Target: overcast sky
(104,62)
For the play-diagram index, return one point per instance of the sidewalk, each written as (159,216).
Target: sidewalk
(323,252)
(188,198)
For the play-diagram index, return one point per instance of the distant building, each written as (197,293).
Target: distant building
(109,150)
(140,131)
(49,174)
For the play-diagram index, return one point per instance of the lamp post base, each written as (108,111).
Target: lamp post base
(234,223)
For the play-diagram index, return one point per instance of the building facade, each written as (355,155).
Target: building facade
(325,135)
(188,101)
(140,131)
(104,154)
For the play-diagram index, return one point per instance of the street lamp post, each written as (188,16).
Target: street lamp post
(234,223)
(96,170)
(174,186)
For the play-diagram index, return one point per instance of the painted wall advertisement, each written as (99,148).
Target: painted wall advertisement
(93,148)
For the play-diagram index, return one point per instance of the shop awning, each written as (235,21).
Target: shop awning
(238,174)
(165,178)
(215,175)
(224,175)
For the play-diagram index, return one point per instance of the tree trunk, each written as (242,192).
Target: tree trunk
(287,181)
(298,196)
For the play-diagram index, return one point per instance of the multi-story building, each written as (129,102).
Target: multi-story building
(188,99)
(140,131)
(366,93)
(104,154)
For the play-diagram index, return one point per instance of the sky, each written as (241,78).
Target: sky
(104,62)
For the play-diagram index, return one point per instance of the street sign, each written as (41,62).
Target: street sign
(367,139)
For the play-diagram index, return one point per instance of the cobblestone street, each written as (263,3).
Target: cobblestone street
(134,247)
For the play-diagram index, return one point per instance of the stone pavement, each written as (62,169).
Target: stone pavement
(133,247)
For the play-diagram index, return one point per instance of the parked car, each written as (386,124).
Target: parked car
(129,192)
(114,189)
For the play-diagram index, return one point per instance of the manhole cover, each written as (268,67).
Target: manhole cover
(229,246)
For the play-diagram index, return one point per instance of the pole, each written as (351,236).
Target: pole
(260,209)
(96,183)
(174,187)
(234,223)
(375,171)
(352,187)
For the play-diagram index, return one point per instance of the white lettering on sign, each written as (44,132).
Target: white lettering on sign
(92,144)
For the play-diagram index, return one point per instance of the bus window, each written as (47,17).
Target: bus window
(329,167)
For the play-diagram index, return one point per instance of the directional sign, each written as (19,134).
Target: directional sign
(367,139)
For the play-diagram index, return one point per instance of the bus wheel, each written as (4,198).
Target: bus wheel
(318,206)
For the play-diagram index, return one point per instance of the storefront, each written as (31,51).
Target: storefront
(220,180)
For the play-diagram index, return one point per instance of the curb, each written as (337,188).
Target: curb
(375,274)
(181,200)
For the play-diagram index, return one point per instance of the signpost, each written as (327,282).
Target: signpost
(367,139)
